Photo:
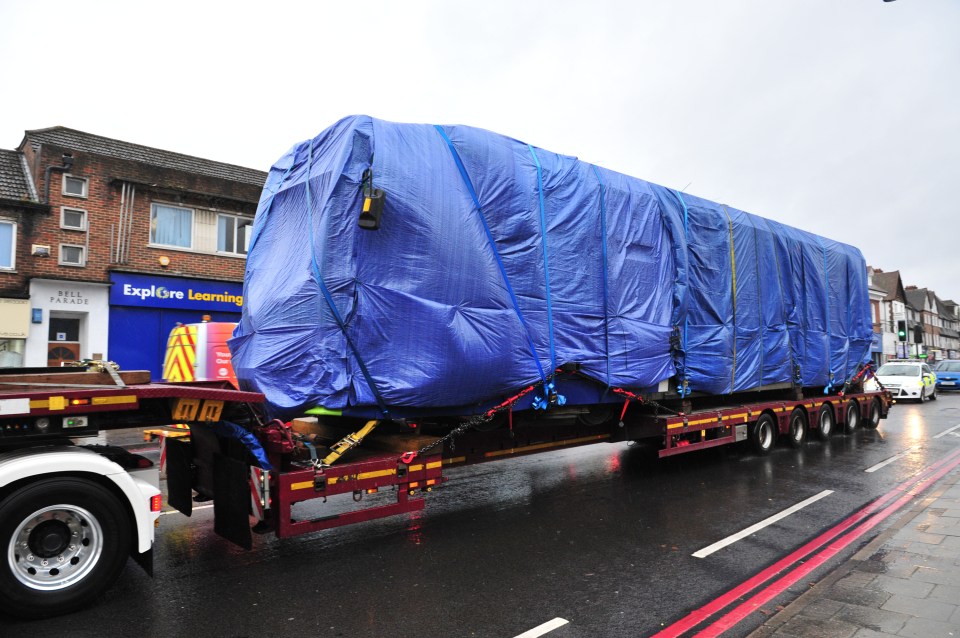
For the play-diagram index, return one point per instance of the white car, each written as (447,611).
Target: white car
(908,380)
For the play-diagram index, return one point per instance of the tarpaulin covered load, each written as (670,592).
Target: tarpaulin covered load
(495,262)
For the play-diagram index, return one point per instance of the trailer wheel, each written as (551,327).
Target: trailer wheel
(798,428)
(825,422)
(763,435)
(873,416)
(853,417)
(64,541)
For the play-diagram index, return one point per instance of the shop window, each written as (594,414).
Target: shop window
(233,234)
(8,245)
(73,218)
(74,186)
(72,255)
(171,226)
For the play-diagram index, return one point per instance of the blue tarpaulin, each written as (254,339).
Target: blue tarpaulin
(496,262)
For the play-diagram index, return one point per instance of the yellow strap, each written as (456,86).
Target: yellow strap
(348,442)
(733,271)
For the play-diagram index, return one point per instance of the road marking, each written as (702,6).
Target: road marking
(546,627)
(198,507)
(878,509)
(946,432)
(891,460)
(730,540)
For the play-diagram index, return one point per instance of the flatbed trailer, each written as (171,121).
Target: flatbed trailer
(71,513)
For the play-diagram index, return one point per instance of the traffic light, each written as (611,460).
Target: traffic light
(902,330)
(918,333)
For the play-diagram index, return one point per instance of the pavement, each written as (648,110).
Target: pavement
(905,582)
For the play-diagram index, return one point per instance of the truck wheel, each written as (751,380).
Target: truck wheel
(798,428)
(825,422)
(763,435)
(64,541)
(873,416)
(853,417)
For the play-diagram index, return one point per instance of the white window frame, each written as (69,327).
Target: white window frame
(63,224)
(236,219)
(193,222)
(83,256)
(84,180)
(13,245)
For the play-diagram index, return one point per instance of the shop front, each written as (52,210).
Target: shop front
(14,328)
(68,322)
(145,308)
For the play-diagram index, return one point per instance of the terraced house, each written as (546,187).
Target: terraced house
(105,245)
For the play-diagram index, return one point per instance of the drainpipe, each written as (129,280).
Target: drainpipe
(67,165)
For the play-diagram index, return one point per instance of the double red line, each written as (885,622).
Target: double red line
(822,548)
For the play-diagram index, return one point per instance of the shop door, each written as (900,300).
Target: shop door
(63,342)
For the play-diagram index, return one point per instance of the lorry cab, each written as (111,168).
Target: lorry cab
(199,352)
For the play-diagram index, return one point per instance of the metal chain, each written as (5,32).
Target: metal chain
(486,417)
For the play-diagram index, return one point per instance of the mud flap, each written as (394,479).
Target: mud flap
(180,476)
(231,503)
(145,560)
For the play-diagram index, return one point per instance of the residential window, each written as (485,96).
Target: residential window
(8,245)
(233,233)
(72,255)
(73,218)
(74,186)
(171,226)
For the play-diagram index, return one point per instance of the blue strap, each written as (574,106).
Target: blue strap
(603,245)
(686,318)
(493,246)
(546,257)
(332,305)
(261,219)
(826,303)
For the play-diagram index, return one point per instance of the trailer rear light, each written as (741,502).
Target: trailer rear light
(79,401)
(371,490)
(156,503)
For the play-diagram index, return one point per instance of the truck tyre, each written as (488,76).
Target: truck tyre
(764,434)
(63,542)
(797,435)
(852,419)
(873,416)
(825,422)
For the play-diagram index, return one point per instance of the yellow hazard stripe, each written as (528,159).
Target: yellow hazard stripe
(124,398)
(302,485)
(742,415)
(541,446)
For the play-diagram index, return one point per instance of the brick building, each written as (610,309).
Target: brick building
(112,243)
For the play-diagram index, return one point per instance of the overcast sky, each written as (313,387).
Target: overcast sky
(838,117)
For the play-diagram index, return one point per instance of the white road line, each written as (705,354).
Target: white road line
(890,460)
(198,507)
(946,432)
(730,540)
(546,627)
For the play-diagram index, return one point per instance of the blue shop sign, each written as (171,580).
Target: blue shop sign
(146,291)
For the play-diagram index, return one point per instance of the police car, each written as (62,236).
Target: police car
(908,379)
(948,375)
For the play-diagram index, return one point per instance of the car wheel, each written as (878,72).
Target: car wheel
(798,428)
(852,417)
(63,541)
(763,435)
(933,397)
(825,422)
(873,416)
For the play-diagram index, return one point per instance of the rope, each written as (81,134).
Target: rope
(333,307)
(733,272)
(603,246)
(493,246)
(546,257)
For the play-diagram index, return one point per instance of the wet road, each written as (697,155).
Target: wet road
(602,537)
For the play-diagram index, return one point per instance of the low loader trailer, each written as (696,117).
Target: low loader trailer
(73,510)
